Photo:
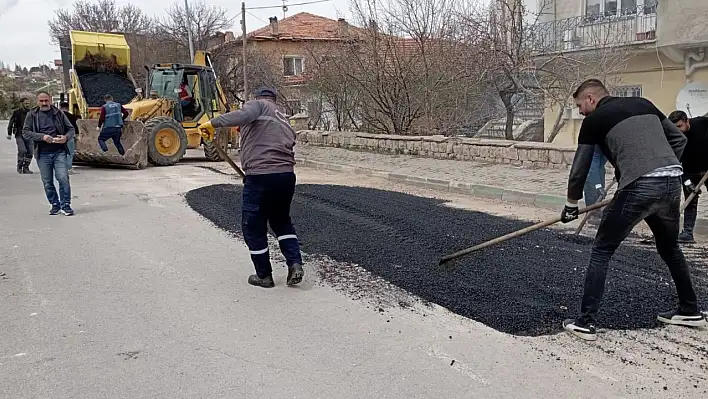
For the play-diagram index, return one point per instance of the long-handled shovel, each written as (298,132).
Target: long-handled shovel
(230,161)
(693,194)
(587,215)
(222,153)
(518,233)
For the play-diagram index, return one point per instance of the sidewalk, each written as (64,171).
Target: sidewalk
(545,188)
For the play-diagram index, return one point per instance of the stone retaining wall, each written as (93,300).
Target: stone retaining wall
(441,147)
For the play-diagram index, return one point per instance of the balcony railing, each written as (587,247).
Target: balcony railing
(595,31)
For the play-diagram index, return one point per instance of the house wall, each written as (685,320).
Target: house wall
(562,9)
(276,51)
(660,79)
(682,22)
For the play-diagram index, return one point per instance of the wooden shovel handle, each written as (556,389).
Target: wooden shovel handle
(587,215)
(517,233)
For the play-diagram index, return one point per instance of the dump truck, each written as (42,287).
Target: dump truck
(160,128)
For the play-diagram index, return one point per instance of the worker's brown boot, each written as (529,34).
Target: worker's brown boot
(261,282)
(295,274)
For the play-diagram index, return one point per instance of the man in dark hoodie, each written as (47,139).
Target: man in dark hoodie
(24,146)
(51,130)
(268,160)
(695,165)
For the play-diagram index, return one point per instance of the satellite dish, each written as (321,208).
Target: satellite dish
(693,99)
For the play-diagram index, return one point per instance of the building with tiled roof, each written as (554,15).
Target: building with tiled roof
(303,27)
(290,42)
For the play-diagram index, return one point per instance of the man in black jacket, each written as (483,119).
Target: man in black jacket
(645,148)
(50,130)
(695,165)
(24,146)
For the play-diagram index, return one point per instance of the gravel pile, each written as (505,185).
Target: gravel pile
(525,286)
(96,85)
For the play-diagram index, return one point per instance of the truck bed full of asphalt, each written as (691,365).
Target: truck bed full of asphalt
(96,85)
(525,286)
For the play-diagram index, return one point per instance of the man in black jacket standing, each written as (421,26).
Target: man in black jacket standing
(50,130)
(695,165)
(24,146)
(645,149)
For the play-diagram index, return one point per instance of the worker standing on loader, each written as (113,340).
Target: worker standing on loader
(110,123)
(645,148)
(24,146)
(268,160)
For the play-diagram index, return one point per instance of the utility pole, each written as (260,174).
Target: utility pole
(189,30)
(243,51)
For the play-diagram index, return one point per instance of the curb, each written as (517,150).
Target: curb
(539,200)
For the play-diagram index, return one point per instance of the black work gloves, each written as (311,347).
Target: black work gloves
(570,213)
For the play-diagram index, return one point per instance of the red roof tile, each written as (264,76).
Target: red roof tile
(303,26)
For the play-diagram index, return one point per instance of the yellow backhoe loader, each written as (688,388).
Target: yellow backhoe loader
(162,126)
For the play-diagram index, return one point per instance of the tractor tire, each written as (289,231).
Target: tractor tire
(166,141)
(221,140)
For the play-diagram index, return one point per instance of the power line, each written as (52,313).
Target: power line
(289,5)
(256,17)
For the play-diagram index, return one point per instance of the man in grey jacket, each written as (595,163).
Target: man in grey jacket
(51,130)
(268,160)
(645,149)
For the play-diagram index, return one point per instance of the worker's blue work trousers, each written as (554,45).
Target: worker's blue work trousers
(266,200)
(111,133)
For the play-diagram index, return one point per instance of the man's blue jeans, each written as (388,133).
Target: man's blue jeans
(596,176)
(54,165)
(111,133)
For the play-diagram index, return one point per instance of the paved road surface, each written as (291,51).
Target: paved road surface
(138,297)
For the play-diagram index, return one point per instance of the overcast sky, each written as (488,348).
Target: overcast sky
(25,34)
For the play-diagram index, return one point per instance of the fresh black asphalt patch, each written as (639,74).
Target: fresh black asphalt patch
(525,286)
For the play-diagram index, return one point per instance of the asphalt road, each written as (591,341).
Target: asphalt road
(138,296)
(525,286)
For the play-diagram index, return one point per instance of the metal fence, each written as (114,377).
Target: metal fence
(596,29)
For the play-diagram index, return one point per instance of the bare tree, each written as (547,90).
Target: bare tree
(405,71)
(503,29)
(263,69)
(151,48)
(99,16)
(337,97)
(203,20)
(594,51)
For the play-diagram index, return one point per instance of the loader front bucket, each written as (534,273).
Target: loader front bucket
(133,140)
